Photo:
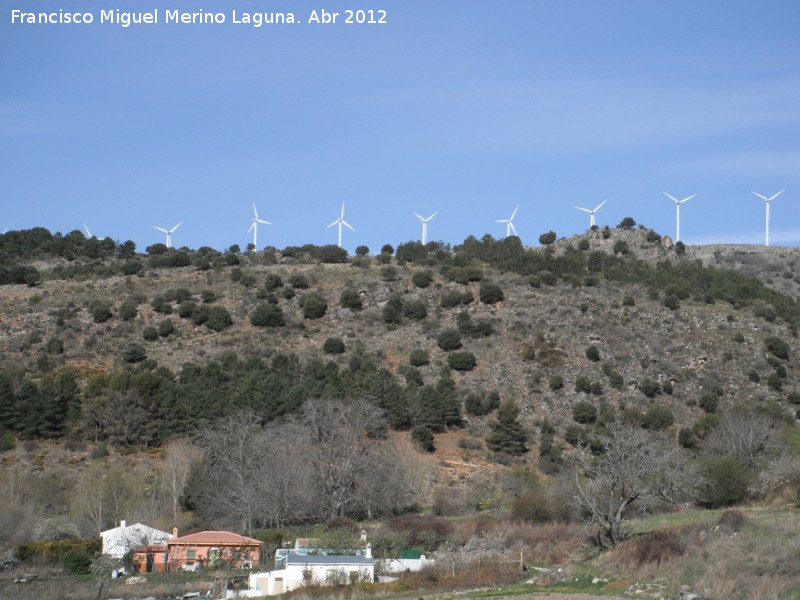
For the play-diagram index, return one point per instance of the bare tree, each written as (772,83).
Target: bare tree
(176,464)
(636,465)
(746,435)
(231,469)
(338,447)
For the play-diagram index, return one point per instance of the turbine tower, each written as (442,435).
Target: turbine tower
(678,212)
(425,225)
(169,233)
(509,223)
(340,221)
(254,226)
(88,233)
(591,212)
(767,201)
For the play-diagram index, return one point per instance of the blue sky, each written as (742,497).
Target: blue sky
(465,107)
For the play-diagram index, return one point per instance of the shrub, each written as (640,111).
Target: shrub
(268,315)
(658,417)
(416,309)
(725,483)
(556,382)
(388,273)
(593,353)
(582,384)
(298,281)
(350,299)
(575,435)
(162,305)
(218,318)
(547,238)
(55,346)
(272,282)
(709,402)
(777,346)
(387,249)
(333,346)
(423,439)
(165,328)
(628,300)
(650,388)
(186,309)
(77,562)
(248,280)
(687,438)
(449,339)
(150,333)
(422,279)
(101,312)
(393,311)
(461,361)
(314,306)
(208,296)
(418,358)
(455,298)
(653,237)
(362,250)
(134,353)
(584,412)
(621,247)
(7,441)
(490,293)
(672,302)
(775,382)
(128,310)
(547,278)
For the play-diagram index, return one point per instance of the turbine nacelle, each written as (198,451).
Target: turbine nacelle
(424,222)
(340,221)
(169,233)
(591,212)
(510,223)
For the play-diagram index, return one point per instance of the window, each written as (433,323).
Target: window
(191,554)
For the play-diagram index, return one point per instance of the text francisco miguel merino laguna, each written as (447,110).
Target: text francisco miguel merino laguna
(197,17)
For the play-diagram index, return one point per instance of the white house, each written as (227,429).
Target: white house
(308,569)
(118,541)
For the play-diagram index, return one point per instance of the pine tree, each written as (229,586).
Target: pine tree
(508,435)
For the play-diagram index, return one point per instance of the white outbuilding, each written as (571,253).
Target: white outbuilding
(119,540)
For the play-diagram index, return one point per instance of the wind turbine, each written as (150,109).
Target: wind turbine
(88,233)
(591,212)
(678,212)
(509,223)
(254,226)
(767,201)
(425,225)
(169,233)
(340,221)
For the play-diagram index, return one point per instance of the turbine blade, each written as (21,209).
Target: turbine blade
(419,217)
(586,210)
(778,194)
(342,217)
(332,224)
(688,198)
(255,212)
(599,206)
(764,198)
(160,229)
(673,198)
(503,221)
(251,227)
(511,225)
(514,213)
(176,226)
(433,215)
(346,224)
(263,221)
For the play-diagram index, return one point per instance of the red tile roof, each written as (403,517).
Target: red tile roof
(215,537)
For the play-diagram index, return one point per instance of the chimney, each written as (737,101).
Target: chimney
(174,532)
(123,523)
(368,553)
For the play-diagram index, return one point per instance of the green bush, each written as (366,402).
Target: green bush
(418,358)
(208,296)
(314,306)
(150,333)
(100,312)
(461,361)
(423,439)
(490,293)
(455,298)
(583,384)
(709,402)
(422,279)
(134,353)
(165,328)
(593,353)
(650,388)
(268,315)
(621,247)
(218,318)
(272,282)
(777,346)
(658,417)
(449,339)
(128,310)
(726,482)
(584,412)
(298,281)
(415,309)
(547,238)
(556,382)
(77,562)
(7,441)
(350,299)
(333,346)
(687,438)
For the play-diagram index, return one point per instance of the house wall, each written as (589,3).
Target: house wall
(295,576)
(236,556)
